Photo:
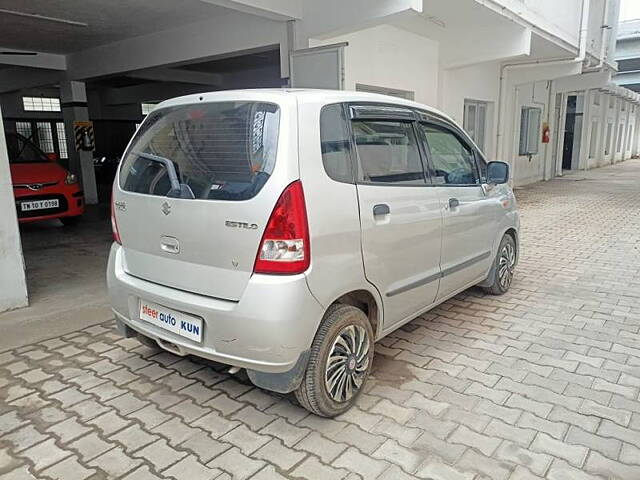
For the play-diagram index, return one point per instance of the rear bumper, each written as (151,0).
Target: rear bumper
(268,330)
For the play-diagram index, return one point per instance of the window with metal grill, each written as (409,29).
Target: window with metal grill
(41,104)
(147,108)
(62,140)
(24,129)
(45,137)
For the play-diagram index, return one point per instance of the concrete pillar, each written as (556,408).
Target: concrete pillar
(13,283)
(74,108)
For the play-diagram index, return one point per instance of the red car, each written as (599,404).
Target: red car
(43,189)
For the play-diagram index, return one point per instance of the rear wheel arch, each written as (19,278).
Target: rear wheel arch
(367,302)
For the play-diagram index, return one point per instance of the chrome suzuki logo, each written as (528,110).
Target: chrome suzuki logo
(35,186)
(166,208)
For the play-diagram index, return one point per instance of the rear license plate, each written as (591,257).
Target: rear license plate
(39,205)
(176,322)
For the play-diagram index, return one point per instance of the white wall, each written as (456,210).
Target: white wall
(479,82)
(13,284)
(386,56)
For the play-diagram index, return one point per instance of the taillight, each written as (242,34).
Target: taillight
(114,224)
(285,247)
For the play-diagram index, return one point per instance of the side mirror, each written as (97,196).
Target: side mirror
(53,157)
(497,173)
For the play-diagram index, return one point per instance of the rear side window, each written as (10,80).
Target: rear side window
(453,161)
(213,151)
(388,153)
(335,143)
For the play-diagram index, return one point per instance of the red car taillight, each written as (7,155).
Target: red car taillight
(114,224)
(285,247)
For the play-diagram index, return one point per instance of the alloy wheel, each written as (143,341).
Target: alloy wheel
(347,363)
(506,265)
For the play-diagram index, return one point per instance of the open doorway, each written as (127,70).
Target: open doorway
(572,132)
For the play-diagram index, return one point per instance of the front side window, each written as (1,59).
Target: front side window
(388,153)
(21,150)
(213,151)
(453,161)
(335,143)
(482,167)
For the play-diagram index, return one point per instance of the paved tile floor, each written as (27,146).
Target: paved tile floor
(540,383)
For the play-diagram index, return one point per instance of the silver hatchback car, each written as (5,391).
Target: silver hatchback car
(285,231)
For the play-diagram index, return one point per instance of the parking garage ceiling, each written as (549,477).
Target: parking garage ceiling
(74,25)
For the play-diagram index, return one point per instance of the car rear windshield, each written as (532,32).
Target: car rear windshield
(212,151)
(22,150)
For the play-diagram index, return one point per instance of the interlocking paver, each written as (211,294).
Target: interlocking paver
(189,468)
(245,439)
(364,465)
(90,446)
(115,462)
(45,454)
(69,469)
(277,453)
(324,448)
(312,469)
(205,447)
(542,382)
(574,454)
(133,438)
(160,454)
(23,438)
(536,462)
(404,457)
(237,464)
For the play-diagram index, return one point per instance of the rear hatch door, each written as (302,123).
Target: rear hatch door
(196,188)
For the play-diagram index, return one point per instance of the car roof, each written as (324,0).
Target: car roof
(302,94)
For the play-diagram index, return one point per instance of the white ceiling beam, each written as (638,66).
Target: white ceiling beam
(231,32)
(152,92)
(272,9)
(18,78)
(511,42)
(27,58)
(175,75)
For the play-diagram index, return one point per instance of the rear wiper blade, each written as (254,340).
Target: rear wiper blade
(178,190)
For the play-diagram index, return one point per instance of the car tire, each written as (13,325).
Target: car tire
(345,339)
(70,221)
(503,267)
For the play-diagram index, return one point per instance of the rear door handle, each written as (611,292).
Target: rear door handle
(381,209)
(454,202)
(169,244)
